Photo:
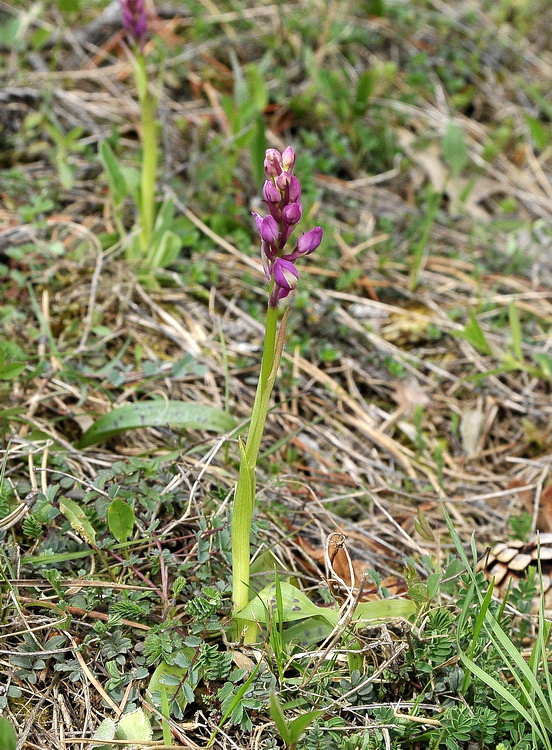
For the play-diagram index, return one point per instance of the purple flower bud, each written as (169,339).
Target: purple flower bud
(135,19)
(308,243)
(294,190)
(292,213)
(288,159)
(283,180)
(269,230)
(285,274)
(271,193)
(272,163)
(291,216)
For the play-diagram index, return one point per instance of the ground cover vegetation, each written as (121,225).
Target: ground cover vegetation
(409,425)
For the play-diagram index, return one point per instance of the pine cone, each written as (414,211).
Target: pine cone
(510,561)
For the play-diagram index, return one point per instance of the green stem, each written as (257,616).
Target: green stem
(264,389)
(148,177)
(244,501)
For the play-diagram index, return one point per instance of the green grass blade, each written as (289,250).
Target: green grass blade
(506,694)
(516,332)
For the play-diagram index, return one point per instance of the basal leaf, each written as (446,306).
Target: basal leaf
(295,606)
(157,414)
(106,731)
(115,176)
(134,726)
(167,250)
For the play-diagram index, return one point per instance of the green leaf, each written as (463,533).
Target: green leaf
(134,726)
(120,519)
(61,557)
(157,413)
(384,609)
(364,90)
(375,7)
(544,361)
(257,91)
(257,148)
(455,150)
(8,738)
(115,177)
(298,725)
(140,76)
(161,678)
(433,584)
(78,520)
(167,250)
(540,133)
(277,716)
(67,6)
(473,333)
(295,606)
(422,526)
(244,500)
(132,179)
(106,731)
(66,173)
(307,632)
(13,360)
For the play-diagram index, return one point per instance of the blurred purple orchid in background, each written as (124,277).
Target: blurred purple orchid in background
(135,19)
(282,196)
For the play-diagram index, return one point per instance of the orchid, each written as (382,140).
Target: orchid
(135,22)
(282,197)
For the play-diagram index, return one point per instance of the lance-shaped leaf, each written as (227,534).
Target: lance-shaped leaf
(157,414)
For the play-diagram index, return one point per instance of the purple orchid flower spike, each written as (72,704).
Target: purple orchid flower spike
(135,19)
(282,197)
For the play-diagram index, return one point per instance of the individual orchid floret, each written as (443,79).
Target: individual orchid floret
(135,19)
(291,216)
(272,163)
(288,160)
(294,190)
(307,244)
(285,280)
(267,227)
(292,213)
(283,182)
(271,193)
